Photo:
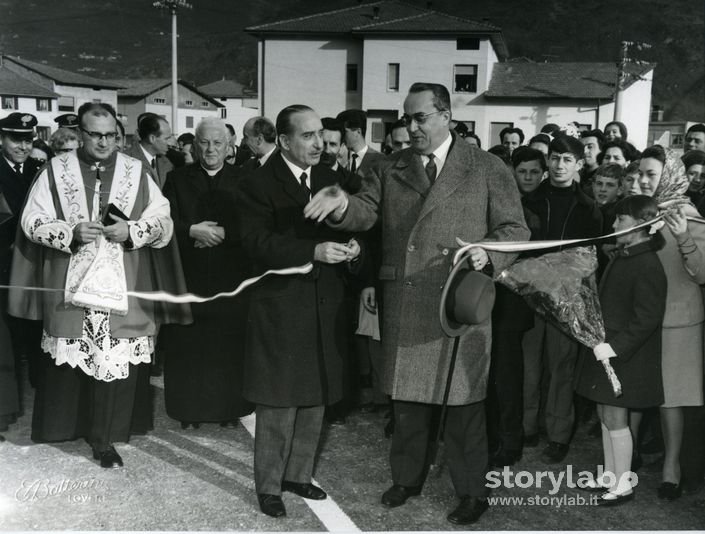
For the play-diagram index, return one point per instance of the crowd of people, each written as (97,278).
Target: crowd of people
(354,326)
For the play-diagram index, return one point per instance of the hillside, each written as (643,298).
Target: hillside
(130,38)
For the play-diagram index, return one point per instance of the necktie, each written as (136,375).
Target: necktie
(431,169)
(305,187)
(18,168)
(353,163)
(258,164)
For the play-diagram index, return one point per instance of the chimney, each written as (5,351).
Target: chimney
(375,12)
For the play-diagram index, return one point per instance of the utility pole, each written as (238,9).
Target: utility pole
(622,75)
(173,6)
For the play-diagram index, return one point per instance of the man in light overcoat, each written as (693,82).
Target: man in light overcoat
(426,196)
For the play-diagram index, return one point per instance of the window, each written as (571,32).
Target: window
(66,103)
(465,78)
(467,43)
(158,100)
(393,77)
(495,128)
(188,103)
(9,102)
(351,77)
(378,132)
(205,104)
(189,122)
(43,132)
(223,113)
(43,104)
(677,140)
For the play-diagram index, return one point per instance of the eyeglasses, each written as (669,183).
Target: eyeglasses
(419,118)
(97,136)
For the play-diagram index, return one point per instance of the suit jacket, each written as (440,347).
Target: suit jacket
(474,198)
(164,166)
(296,331)
(372,157)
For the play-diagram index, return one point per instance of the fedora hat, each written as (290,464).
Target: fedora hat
(467,299)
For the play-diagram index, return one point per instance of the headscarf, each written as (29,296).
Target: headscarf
(670,192)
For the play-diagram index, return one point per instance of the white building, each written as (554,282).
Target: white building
(240,103)
(72,89)
(367,56)
(18,94)
(153,95)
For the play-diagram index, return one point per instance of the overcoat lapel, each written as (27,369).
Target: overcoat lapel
(415,177)
(453,175)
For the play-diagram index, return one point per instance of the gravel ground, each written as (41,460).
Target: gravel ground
(202,480)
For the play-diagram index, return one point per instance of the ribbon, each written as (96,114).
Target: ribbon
(190,298)
(523,246)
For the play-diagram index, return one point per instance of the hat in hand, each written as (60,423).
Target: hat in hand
(467,299)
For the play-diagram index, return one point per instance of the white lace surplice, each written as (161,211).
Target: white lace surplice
(96,352)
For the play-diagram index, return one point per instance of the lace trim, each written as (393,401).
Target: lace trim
(96,352)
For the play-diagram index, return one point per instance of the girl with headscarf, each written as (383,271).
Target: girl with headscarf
(662,176)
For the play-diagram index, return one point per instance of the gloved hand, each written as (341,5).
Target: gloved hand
(604,351)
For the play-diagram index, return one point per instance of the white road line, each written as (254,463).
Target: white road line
(328,511)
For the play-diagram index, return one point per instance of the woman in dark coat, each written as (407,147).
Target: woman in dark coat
(203,367)
(633,300)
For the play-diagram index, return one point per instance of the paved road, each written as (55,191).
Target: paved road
(201,479)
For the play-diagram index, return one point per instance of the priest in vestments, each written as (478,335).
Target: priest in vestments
(203,368)
(88,224)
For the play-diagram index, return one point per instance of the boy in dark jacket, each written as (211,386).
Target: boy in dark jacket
(564,212)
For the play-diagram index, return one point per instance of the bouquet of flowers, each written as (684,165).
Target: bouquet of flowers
(561,287)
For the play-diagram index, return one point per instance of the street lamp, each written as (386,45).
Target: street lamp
(173,6)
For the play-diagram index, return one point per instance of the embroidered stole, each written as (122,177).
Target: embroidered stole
(96,273)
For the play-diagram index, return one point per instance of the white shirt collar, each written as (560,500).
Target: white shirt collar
(147,155)
(12,164)
(212,172)
(298,171)
(264,158)
(440,154)
(360,154)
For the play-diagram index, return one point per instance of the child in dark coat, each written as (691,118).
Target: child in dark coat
(633,300)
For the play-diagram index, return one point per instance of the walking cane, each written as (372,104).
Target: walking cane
(435,446)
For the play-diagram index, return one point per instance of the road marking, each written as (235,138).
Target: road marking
(327,511)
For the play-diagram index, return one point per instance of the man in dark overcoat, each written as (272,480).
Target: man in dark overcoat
(297,326)
(426,196)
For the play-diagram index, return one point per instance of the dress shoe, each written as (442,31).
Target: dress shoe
(468,511)
(531,440)
(305,490)
(109,458)
(614,499)
(669,491)
(505,457)
(555,452)
(272,505)
(397,495)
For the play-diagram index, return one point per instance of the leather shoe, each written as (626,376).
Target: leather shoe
(468,511)
(109,458)
(669,491)
(613,499)
(398,494)
(305,490)
(272,505)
